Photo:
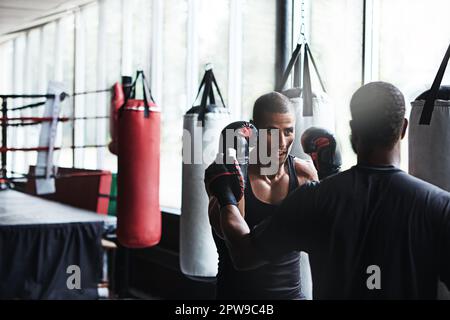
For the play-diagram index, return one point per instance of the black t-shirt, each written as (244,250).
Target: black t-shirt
(363,217)
(279,279)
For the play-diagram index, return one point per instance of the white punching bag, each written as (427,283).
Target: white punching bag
(202,127)
(429,133)
(312,108)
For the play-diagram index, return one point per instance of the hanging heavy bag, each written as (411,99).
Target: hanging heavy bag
(139,214)
(202,127)
(429,133)
(312,108)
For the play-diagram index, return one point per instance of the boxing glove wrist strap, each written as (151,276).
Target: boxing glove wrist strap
(223,193)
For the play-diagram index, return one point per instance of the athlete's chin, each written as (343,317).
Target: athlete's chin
(282,157)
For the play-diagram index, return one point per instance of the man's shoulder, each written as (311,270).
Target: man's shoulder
(429,199)
(338,178)
(401,181)
(420,186)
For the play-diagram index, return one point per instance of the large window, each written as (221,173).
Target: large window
(175,99)
(401,42)
(404,42)
(335,31)
(408,44)
(238,38)
(91,47)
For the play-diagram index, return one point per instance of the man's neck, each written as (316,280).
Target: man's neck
(380,156)
(256,169)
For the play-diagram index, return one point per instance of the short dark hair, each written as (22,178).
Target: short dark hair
(272,102)
(378,110)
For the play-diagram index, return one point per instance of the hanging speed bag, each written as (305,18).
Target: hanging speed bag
(139,214)
(429,133)
(202,127)
(312,108)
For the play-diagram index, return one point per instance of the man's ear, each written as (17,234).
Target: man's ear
(353,136)
(404,128)
(352,125)
(253,123)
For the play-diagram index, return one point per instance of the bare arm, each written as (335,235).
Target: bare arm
(305,171)
(214,215)
(237,238)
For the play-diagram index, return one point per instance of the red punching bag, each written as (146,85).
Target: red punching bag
(138,210)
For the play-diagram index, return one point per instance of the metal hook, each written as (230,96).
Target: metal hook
(63,96)
(302,36)
(208,66)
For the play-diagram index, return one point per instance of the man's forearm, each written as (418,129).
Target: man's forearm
(237,237)
(214,216)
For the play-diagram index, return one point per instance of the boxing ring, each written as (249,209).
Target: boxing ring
(50,250)
(40,240)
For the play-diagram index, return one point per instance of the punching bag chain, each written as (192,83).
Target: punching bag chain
(302,25)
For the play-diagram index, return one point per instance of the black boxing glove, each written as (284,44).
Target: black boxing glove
(225,181)
(225,177)
(321,145)
(239,136)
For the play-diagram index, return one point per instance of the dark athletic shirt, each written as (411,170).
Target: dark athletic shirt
(365,216)
(279,279)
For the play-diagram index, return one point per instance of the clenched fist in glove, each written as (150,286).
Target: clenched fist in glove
(225,177)
(321,145)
